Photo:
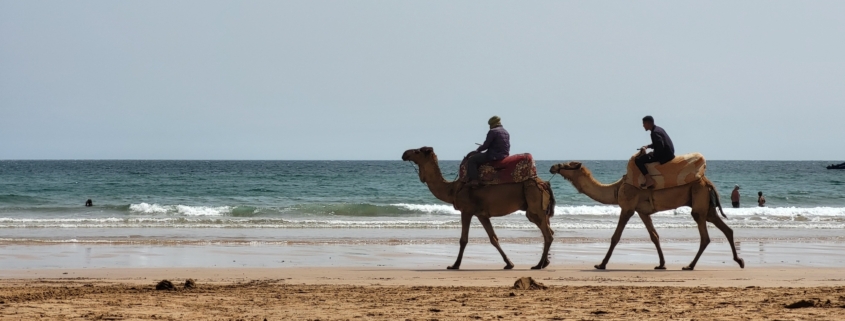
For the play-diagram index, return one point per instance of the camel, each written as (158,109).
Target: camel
(701,195)
(488,201)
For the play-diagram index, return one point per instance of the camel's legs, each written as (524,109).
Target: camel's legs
(531,217)
(542,222)
(466,219)
(617,235)
(714,218)
(485,221)
(654,239)
(701,221)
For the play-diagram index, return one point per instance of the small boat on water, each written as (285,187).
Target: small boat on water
(836,166)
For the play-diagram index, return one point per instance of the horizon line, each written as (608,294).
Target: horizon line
(358,160)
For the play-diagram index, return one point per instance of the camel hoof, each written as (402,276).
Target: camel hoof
(599,267)
(687,268)
(536,267)
(509,266)
(545,265)
(453,267)
(741,263)
(660,267)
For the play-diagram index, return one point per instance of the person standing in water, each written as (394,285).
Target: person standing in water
(761,200)
(735,197)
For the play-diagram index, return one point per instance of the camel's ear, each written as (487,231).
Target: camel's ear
(575,165)
(427,150)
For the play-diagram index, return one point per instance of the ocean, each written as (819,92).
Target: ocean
(183,197)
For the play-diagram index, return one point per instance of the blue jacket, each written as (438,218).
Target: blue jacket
(497,144)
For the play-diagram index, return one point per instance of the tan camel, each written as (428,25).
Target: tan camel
(701,195)
(488,201)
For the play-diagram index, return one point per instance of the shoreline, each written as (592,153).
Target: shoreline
(390,241)
(246,236)
(403,255)
(476,276)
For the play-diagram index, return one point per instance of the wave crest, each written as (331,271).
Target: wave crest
(145,208)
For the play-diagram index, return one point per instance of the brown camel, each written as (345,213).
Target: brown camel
(488,201)
(701,195)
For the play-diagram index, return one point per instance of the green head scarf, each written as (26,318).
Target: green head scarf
(494,121)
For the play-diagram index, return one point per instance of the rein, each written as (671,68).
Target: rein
(414,167)
(416,170)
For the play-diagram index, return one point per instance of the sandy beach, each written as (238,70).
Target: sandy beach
(408,281)
(573,293)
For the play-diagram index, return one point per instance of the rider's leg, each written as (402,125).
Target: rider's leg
(472,165)
(640,162)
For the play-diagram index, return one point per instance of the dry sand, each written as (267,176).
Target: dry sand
(401,294)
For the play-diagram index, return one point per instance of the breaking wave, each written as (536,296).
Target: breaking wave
(144,208)
(397,215)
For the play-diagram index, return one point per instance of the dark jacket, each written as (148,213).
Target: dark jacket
(664,151)
(497,144)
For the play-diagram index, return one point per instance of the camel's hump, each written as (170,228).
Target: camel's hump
(681,170)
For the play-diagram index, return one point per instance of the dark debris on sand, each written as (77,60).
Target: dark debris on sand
(528,283)
(165,285)
(809,304)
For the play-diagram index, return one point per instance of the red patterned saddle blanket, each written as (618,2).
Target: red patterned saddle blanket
(513,169)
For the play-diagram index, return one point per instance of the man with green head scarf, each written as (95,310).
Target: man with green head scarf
(497,147)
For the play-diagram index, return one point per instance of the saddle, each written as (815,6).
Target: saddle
(681,170)
(512,169)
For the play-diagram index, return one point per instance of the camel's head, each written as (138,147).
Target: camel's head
(420,155)
(568,170)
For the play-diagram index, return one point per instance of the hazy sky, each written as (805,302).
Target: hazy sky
(370,79)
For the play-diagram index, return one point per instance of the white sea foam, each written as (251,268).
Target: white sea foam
(762,213)
(185,210)
(580,210)
(147,208)
(587,210)
(559,210)
(511,222)
(144,215)
(203,210)
(748,211)
(429,208)
(787,211)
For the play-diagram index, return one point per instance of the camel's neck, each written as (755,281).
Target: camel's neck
(431,176)
(602,193)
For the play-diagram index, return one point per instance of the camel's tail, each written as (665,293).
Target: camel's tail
(714,197)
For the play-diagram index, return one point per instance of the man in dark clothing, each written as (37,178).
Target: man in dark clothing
(497,145)
(663,152)
(735,197)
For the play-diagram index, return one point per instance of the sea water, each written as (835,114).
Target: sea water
(361,195)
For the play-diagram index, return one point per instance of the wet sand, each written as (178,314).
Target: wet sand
(393,278)
(422,255)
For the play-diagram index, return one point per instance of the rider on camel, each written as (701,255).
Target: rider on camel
(663,152)
(497,147)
